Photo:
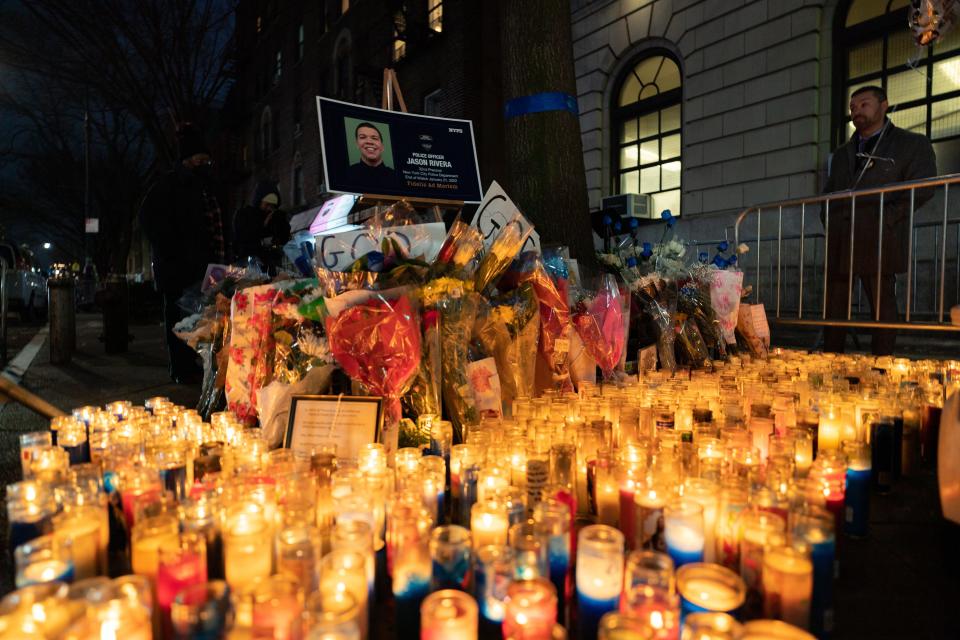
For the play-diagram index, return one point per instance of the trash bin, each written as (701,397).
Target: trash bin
(63,320)
(114,303)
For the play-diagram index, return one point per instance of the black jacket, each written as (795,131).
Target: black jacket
(913,159)
(250,234)
(174,218)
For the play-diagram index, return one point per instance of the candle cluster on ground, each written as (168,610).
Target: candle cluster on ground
(711,501)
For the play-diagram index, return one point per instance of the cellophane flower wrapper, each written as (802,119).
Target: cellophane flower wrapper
(726,285)
(252,347)
(597,317)
(658,297)
(555,327)
(375,338)
(459,254)
(424,396)
(691,343)
(501,253)
(694,301)
(509,330)
(456,304)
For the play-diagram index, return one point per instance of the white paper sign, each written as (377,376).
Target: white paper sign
(345,421)
(485,382)
(647,360)
(760,323)
(495,211)
(338,251)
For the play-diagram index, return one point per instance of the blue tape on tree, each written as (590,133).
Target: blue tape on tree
(540,102)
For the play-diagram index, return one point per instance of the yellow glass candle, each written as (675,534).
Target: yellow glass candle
(345,571)
(149,534)
(489,523)
(82,524)
(247,546)
(787,585)
(449,615)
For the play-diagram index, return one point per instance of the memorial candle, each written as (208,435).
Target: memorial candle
(489,523)
(30,509)
(82,525)
(493,571)
(711,588)
(787,585)
(814,532)
(830,429)
(451,557)
(856,497)
(48,558)
(345,571)
(181,563)
(148,535)
(759,528)
(683,531)
(705,493)
(530,610)
(448,615)
(649,593)
(555,517)
(247,548)
(599,575)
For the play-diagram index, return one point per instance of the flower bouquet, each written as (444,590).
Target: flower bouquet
(424,394)
(598,320)
(375,338)
(553,370)
(501,253)
(509,330)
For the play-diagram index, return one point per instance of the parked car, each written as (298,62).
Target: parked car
(26,285)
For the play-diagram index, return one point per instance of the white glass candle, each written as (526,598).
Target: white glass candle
(599,574)
(489,523)
(787,585)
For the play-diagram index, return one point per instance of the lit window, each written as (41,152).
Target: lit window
(647,131)
(399,35)
(300,43)
(435,15)
(259,24)
(922,84)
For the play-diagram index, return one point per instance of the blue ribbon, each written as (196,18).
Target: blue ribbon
(540,102)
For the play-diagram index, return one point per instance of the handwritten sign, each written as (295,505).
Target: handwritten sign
(346,422)
(338,251)
(496,211)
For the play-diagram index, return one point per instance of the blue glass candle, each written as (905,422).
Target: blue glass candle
(451,557)
(555,517)
(709,588)
(683,531)
(493,572)
(72,438)
(468,492)
(409,590)
(815,531)
(599,576)
(30,510)
(433,478)
(44,559)
(857,495)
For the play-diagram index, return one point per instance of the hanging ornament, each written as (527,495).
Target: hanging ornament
(931,19)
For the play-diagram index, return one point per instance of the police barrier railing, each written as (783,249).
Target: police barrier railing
(801,211)
(3,311)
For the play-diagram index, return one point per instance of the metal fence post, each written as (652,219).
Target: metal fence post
(63,326)
(3,311)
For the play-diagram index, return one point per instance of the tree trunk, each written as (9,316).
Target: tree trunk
(544,152)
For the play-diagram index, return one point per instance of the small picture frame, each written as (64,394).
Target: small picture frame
(348,422)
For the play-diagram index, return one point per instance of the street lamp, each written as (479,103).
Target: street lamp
(47,245)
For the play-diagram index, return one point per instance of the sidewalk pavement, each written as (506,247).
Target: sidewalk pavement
(93,377)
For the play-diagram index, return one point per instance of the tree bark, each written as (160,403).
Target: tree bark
(544,152)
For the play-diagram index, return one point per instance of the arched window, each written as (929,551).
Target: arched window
(646,131)
(266,132)
(875,46)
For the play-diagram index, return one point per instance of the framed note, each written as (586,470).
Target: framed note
(349,422)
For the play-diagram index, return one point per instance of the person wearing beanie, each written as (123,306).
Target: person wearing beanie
(181,218)
(261,229)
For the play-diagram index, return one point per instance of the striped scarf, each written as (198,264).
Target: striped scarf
(214,225)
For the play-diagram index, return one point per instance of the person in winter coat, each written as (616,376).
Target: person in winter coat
(877,154)
(261,230)
(182,220)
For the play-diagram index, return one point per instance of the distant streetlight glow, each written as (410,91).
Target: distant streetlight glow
(46,245)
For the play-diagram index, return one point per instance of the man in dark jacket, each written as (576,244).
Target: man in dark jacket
(183,223)
(877,154)
(261,230)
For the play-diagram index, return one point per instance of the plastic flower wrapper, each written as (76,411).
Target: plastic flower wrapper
(725,288)
(333,283)
(510,330)
(456,304)
(425,390)
(375,338)
(658,297)
(694,301)
(691,343)
(597,317)
(460,253)
(555,325)
(501,253)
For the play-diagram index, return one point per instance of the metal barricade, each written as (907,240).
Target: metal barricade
(3,311)
(800,212)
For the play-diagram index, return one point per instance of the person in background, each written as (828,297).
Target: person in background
(261,229)
(877,154)
(182,220)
